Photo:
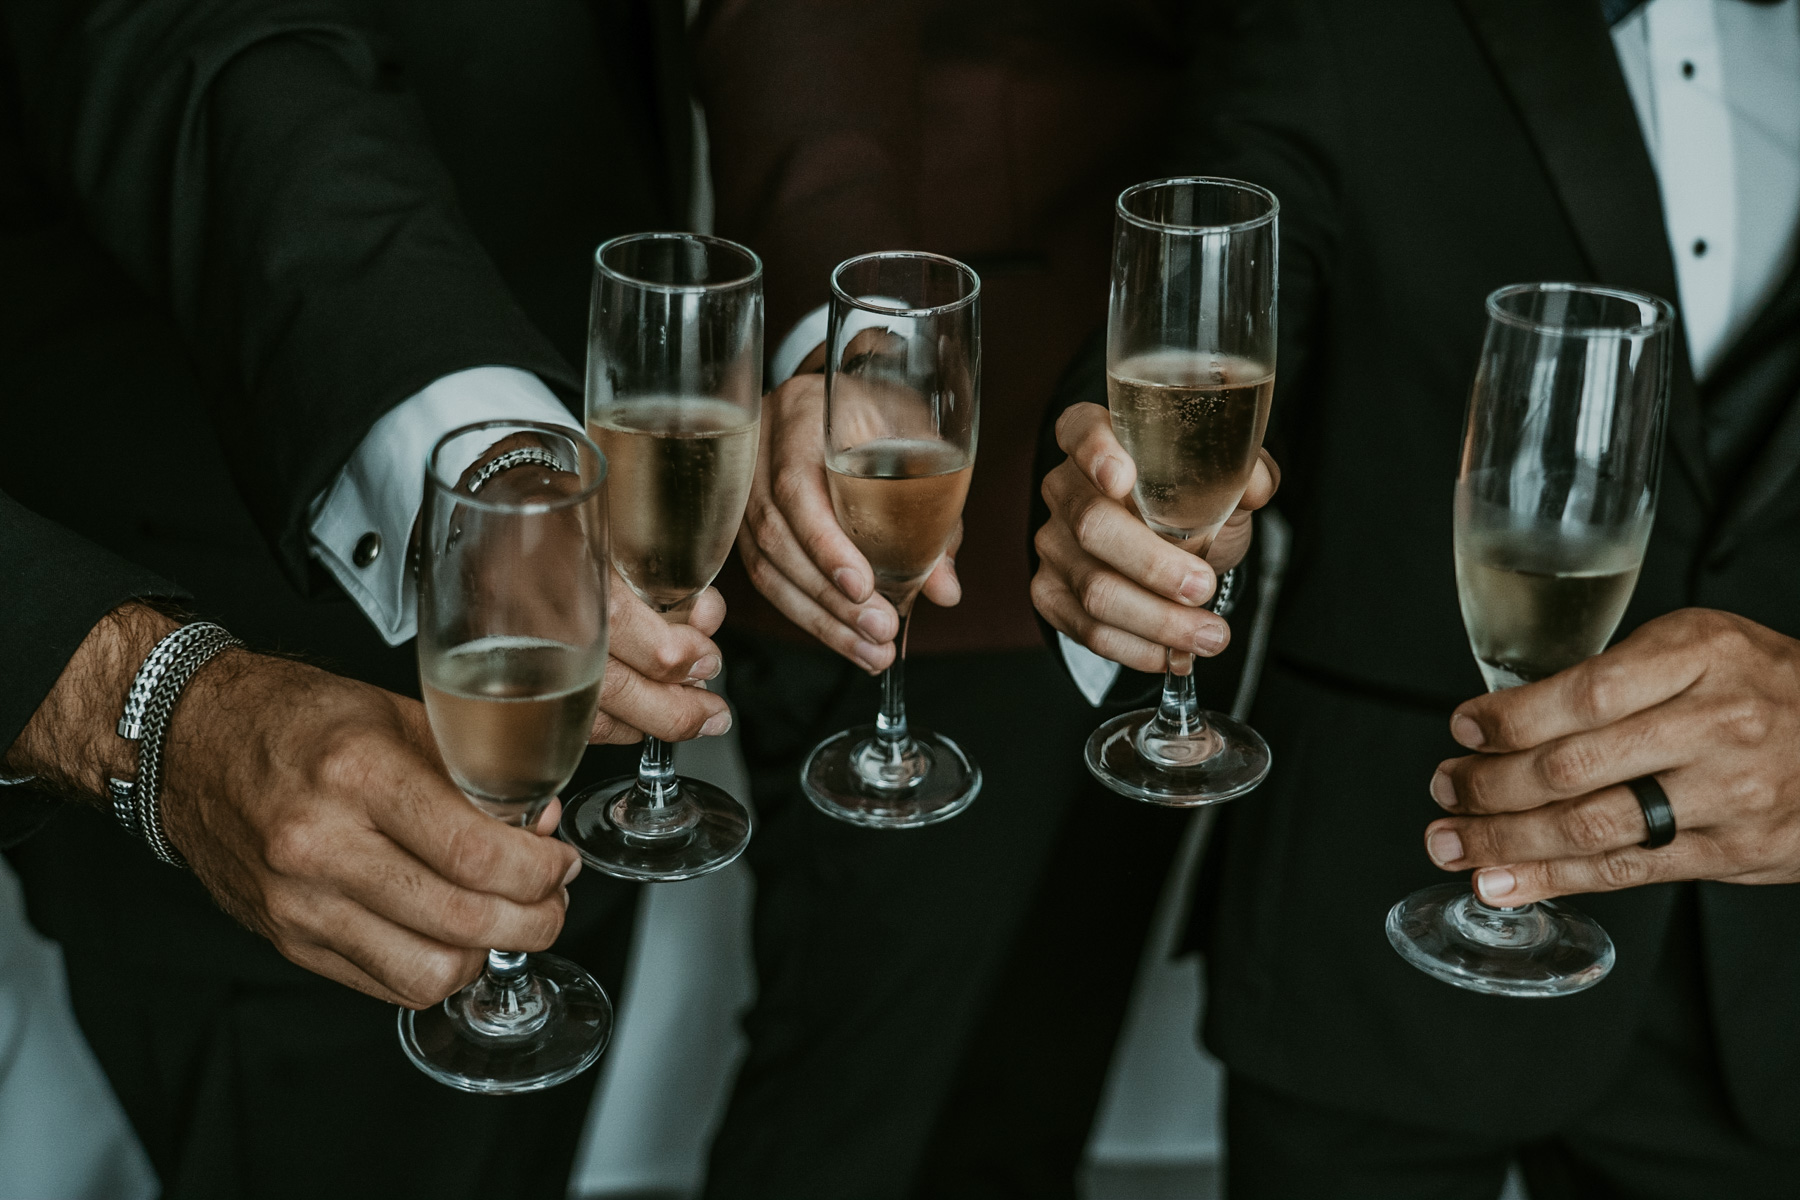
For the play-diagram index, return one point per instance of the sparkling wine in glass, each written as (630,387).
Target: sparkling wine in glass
(902,406)
(1190,368)
(1562,453)
(674,399)
(512,651)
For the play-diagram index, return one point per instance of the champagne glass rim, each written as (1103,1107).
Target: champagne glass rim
(895,310)
(530,508)
(1498,311)
(1220,182)
(750,277)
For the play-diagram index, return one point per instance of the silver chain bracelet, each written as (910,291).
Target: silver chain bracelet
(149,707)
(1224,599)
(524,456)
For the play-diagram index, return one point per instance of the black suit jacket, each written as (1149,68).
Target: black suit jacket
(1426,152)
(234,233)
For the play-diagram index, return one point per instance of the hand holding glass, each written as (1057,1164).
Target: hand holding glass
(674,398)
(902,406)
(512,650)
(1190,369)
(1562,453)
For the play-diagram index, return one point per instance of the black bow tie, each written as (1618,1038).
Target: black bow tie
(1618,10)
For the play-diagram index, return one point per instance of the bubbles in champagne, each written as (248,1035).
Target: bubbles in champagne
(1193,424)
(679,472)
(899,500)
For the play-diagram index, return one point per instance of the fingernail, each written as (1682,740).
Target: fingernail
(705,668)
(1210,639)
(1106,474)
(573,871)
(1495,884)
(1467,732)
(1444,846)
(1443,789)
(565,896)
(869,656)
(874,623)
(850,583)
(716,724)
(1196,588)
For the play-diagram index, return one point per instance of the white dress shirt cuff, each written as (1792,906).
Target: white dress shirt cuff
(362,524)
(807,332)
(1092,674)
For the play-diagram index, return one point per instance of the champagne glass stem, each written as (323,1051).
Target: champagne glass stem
(892,760)
(1178,714)
(890,722)
(657,785)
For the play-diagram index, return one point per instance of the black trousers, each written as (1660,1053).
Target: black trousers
(248,1078)
(936,1007)
(1665,1129)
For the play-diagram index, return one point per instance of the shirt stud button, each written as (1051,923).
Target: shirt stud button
(1699,252)
(368,549)
(1687,70)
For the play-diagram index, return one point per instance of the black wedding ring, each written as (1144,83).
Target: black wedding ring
(1659,817)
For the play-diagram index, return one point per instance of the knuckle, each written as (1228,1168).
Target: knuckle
(1621,870)
(1567,766)
(763,523)
(1600,688)
(440,974)
(789,488)
(1098,591)
(1746,720)
(1591,828)
(471,855)
(283,919)
(1088,521)
(1474,791)
(291,848)
(468,918)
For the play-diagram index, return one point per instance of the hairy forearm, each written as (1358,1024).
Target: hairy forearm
(71,742)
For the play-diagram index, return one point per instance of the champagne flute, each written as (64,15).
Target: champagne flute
(674,398)
(902,404)
(1562,452)
(512,648)
(1190,369)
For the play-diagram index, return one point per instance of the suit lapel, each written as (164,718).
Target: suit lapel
(1772,467)
(1556,61)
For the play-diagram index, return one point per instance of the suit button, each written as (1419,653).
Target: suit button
(368,549)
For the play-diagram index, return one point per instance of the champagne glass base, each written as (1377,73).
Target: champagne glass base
(441,1042)
(1542,949)
(716,834)
(949,783)
(1240,762)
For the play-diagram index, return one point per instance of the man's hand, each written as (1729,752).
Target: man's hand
(316,811)
(655,669)
(1706,701)
(654,663)
(796,553)
(1108,582)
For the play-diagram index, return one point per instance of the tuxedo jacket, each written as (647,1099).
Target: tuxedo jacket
(994,131)
(234,233)
(1426,152)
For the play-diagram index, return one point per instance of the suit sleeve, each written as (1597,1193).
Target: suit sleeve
(55,588)
(813,112)
(256,165)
